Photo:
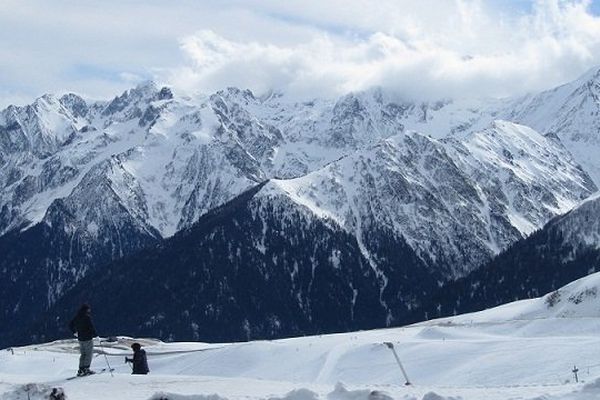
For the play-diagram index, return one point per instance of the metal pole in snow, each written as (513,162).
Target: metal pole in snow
(106,358)
(575,371)
(391,347)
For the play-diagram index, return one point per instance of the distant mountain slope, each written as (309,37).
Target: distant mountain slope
(187,155)
(578,299)
(250,269)
(91,227)
(566,249)
(457,203)
(571,112)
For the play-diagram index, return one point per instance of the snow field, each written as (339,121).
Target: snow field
(444,359)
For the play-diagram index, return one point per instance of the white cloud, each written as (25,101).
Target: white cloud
(466,49)
(426,48)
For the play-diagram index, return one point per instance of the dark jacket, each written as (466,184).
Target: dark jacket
(82,324)
(140,363)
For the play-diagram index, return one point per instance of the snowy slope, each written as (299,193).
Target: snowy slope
(531,178)
(167,148)
(581,227)
(457,202)
(577,300)
(565,249)
(571,112)
(522,350)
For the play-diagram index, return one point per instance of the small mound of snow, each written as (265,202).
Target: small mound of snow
(298,394)
(592,387)
(173,396)
(439,333)
(341,393)
(435,396)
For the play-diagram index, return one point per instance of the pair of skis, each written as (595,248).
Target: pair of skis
(92,374)
(108,368)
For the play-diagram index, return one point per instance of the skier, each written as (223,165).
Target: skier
(83,328)
(139,361)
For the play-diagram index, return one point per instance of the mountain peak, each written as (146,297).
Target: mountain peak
(592,74)
(138,97)
(147,86)
(234,92)
(75,104)
(46,101)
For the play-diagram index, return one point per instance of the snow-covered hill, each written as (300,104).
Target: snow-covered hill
(523,350)
(577,300)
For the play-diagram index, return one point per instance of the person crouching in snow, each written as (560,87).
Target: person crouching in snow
(83,328)
(139,361)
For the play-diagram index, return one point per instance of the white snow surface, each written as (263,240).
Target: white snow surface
(522,350)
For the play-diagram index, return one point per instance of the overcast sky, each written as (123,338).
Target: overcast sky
(420,48)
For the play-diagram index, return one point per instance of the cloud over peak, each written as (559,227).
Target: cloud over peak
(419,48)
(474,50)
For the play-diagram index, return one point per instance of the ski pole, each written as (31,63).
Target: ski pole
(105,357)
(130,366)
(391,347)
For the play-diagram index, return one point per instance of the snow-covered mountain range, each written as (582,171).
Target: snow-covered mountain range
(455,182)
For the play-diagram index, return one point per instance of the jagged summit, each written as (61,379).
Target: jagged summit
(591,75)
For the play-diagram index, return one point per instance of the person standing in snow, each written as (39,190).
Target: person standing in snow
(139,361)
(81,325)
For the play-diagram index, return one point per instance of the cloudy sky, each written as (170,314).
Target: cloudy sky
(420,48)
